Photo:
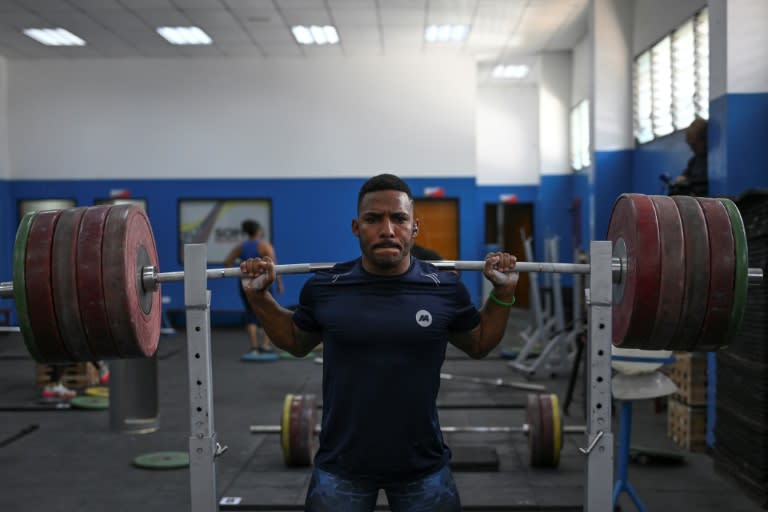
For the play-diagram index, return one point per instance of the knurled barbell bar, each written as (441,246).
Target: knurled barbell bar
(86,280)
(298,429)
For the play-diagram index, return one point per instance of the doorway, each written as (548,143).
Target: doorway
(438,225)
(505,225)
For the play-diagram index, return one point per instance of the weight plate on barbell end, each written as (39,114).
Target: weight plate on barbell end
(134,314)
(722,261)
(633,225)
(697,274)
(741,273)
(90,283)
(39,261)
(533,419)
(549,445)
(64,284)
(672,283)
(298,429)
(20,287)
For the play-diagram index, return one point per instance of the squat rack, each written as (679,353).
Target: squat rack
(204,447)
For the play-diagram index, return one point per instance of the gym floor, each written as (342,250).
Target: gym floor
(74,462)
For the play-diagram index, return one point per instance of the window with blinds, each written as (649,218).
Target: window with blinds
(580,156)
(671,81)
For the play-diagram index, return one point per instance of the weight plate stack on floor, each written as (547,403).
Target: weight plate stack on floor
(741,430)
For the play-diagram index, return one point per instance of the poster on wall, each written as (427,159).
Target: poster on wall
(38,205)
(141,203)
(216,222)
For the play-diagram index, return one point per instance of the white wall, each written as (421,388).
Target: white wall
(554,112)
(183,118)
(747,46)
(718,48)
(612,81)
(507,135)
(581,83)
(5,166)
(654,19)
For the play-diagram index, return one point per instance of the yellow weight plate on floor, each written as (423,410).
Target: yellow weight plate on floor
(285,428)
(101,391)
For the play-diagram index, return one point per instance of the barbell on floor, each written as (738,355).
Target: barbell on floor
(86,280)
(298,429)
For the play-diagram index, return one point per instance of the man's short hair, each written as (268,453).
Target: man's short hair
(383,182)
(250,227)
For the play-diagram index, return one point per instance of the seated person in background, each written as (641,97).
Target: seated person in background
(693,180)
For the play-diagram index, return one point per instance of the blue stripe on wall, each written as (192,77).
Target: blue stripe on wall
(554,217)
(311,220)
(613,177)
(738,153)
(6,234)
(667,155)
(582,190)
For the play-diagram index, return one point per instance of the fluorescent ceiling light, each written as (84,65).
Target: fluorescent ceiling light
(445,33)
(315,34)
(185,35)
(54,36)
(512,71)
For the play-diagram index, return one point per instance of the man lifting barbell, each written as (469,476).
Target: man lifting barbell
(384,319)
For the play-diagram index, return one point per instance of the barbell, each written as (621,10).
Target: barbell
(298,429)
(86,280)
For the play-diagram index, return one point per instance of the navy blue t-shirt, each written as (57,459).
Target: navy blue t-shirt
(384,341)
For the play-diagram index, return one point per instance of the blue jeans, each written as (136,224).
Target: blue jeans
(433,493)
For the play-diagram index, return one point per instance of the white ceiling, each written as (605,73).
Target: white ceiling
(261,28)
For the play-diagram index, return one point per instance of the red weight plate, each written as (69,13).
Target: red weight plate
(134,315)
(696,240)
(37,267)
(547,438)
(722,264)
(308,422)
(64,282)
(533,419)
(634,231)
(672,282)
(296,439)
(90,284)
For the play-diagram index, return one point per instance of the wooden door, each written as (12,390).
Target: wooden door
(438,225)
(514,218)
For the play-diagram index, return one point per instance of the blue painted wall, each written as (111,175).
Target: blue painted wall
(311,219)
(666,155)
(583,191)
(6,235)
(738,151)
(613,177)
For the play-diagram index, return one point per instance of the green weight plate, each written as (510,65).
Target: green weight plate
(162,460)
(722,263)
(697,273)
(741,274)
(20,286)
(64,284)
(672,283)
(90,402)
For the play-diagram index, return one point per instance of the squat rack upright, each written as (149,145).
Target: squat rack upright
(204,447)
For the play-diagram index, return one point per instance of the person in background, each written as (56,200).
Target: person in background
(254,246)
(381,315)
(694,179)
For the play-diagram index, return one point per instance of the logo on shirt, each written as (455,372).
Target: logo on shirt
(424,318)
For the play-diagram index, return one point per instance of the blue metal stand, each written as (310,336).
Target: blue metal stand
(622,479)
